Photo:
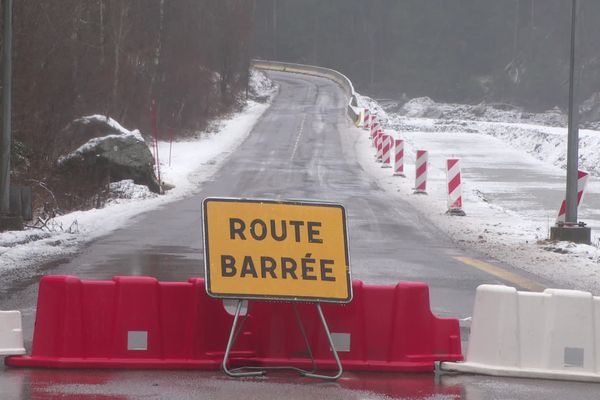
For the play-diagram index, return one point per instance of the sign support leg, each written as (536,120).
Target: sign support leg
(230,342)
(259,371)
(333,350)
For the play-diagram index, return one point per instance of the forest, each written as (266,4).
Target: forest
(112,57)
(513,51)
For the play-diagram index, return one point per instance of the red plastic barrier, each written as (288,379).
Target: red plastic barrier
(88,324)
(389,328)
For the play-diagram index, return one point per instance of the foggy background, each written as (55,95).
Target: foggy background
(510,51)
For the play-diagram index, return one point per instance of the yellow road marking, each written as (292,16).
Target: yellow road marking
(503,274)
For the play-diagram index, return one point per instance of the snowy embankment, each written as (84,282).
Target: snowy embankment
(191,162)
(513,182)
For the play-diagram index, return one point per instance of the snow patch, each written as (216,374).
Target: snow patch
(373,106)
(545,142)
(110,122)
(260,85)
(127,189)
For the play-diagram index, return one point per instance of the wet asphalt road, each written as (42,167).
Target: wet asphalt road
(302,148)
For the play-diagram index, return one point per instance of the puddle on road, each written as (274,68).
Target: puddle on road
(106,384)
(16,384)
(166,263)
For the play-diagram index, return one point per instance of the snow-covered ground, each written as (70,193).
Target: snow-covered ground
(513,183)
(191,161)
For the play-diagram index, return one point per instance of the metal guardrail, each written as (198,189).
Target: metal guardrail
(354,112)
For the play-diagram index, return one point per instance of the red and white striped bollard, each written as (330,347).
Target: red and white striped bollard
(374,129)
(398,157)
(379,145)
(453,179)
(374,126)
(582,178)
(367,119)
(421,172)
(386,151)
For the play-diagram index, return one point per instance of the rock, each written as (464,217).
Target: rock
(106,150)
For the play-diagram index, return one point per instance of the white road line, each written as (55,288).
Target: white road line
(298,137)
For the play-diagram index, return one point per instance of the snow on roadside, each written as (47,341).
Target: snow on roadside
(424,107)
(511,231)
(373,106)
(546,143)
(192,161)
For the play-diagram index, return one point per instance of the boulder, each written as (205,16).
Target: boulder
(106,150)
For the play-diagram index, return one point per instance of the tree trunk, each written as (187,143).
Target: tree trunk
(118,43)
(102,34)
(158,50)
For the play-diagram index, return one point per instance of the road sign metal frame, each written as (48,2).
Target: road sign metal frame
(260,371)
(303,299)
(236,328)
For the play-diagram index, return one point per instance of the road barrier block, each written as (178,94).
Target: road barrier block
(384,328)
(11,333)
(138,322)
(128,322)
(552,335)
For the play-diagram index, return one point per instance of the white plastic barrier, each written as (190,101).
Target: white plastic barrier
(11,333)
(552,335)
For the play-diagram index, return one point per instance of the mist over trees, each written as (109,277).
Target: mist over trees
(79,57)
(514,51)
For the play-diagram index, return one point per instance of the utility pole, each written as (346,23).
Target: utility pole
(572,230)
(6,108)
(7,221)
(573,123)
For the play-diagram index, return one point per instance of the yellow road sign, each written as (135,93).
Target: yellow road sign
(281,250)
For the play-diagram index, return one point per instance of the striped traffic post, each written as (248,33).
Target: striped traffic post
(374,130)
(367,119)
(582,178)
(374,126)
(398,157)
(386,151)
(421,172)
(379,145)
(454,185)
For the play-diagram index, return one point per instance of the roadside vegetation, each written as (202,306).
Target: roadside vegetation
(74,58)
